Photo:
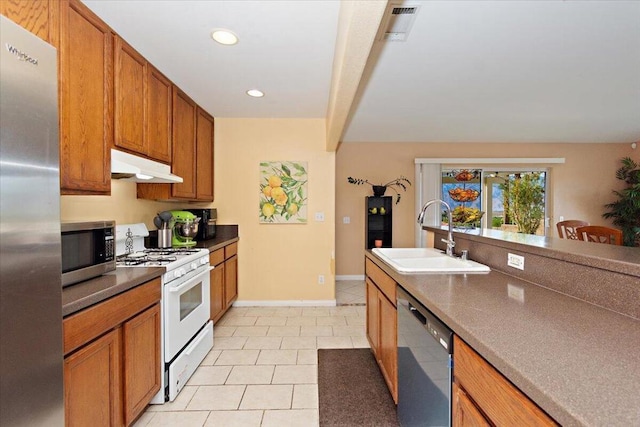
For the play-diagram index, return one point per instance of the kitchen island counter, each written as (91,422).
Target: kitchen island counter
(579,362)
(85,294)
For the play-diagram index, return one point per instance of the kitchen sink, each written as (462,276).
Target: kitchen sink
(426,260)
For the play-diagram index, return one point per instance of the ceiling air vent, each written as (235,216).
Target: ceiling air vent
(398,22)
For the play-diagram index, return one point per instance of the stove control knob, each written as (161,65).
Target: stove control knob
(179,272)
(203,261)
(194,266)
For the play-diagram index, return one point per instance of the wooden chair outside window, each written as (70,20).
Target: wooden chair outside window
(567,229)
(599,234)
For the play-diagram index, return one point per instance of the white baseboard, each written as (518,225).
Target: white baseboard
(286,303)
(350,277)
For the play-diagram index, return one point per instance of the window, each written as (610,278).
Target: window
(511,200)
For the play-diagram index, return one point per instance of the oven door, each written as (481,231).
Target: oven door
(186,310)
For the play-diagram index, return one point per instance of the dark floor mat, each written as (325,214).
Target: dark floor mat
(352,391)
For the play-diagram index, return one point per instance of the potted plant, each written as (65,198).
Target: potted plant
(379,190)
(625,211)
(526,201)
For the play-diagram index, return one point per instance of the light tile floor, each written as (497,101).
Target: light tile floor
(262,370)
(350,292)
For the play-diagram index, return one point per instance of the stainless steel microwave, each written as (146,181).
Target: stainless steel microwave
(88,250)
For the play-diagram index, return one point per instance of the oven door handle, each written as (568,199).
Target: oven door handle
(189,282)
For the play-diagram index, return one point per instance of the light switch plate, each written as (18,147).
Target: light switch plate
(319,216)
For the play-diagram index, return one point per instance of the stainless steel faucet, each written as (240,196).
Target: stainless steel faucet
(449,240)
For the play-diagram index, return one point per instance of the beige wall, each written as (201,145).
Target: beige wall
(122,206)
(276,262)
(579,188)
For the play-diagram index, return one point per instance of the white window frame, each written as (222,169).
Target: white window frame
(428,179)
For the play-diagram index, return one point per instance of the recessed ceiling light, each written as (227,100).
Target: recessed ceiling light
(225,37)
(255,93)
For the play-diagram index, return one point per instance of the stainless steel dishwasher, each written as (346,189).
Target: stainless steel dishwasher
(424,365)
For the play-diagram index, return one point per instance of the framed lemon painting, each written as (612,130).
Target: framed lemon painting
(283,192)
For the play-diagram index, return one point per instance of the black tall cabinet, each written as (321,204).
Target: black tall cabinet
(378,221)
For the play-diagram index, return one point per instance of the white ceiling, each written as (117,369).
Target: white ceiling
(470,71)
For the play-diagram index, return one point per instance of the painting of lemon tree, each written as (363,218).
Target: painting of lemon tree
(283,192)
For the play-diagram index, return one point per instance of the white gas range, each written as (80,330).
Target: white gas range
(187,332)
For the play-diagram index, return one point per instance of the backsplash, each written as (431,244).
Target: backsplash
(122,206)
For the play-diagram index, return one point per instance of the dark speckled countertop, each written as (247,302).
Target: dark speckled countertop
(90,292)
(578,361)
(84,294)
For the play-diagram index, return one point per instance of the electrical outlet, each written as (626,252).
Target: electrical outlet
(319,216)
(320,279)
(515,261)
(346,220)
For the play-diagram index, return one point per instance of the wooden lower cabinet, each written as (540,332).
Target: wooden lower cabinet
(465,412)
(230,280)
(382,324)
(141,355)
(112,358)
(224,279)
(483,396)
(93,383)
(388,354)
(217,292)
(373,317)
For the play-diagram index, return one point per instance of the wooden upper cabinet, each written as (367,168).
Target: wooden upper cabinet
(159,108)
(40,17)
(130,97)
(204,156)
(143,105)
(86,100)
(184,149)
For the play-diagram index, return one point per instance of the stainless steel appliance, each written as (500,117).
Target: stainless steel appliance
(88,250)
(31,372)
(187,332)
(208,218)
(424,365)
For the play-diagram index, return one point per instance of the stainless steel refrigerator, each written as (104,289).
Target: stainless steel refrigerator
(31,359)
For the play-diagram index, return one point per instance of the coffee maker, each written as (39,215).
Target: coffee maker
(208,218)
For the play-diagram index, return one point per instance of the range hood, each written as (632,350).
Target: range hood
(128,167)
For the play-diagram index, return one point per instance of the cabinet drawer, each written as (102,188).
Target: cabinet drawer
(84,326)
(230,250)
(386,284)
(216,257)
(500,400)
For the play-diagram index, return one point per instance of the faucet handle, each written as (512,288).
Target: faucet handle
(449,243)
(464,255)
